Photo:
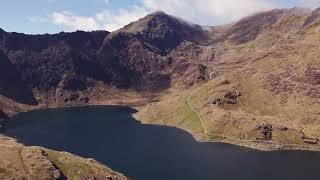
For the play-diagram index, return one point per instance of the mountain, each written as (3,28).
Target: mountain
(141,50)
(166,32)
(253,80)
(264,83)
(43,59)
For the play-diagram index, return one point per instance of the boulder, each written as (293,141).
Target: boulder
(225,82)
(312,75)
(71,97)
(310,140)
(217,101)
(265,132)
(232,95)
(282,128)
(84,99)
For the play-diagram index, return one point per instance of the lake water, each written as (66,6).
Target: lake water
(112,136)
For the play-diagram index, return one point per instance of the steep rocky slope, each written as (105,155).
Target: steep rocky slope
(71,68)
(255,82)
(11,84)
(39,63)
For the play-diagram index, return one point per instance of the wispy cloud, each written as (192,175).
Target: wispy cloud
(309,3)
(209,11)
(104,20)
(205,12)
(74,22)
(115,20)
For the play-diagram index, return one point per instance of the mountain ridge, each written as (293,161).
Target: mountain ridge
(253,83)
(158,55)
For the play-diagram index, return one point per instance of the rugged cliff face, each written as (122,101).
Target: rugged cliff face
(64,68)
(256,79)
(42,60)
(11,83)
(141,50)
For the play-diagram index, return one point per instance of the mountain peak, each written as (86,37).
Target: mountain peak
(165,31)
(150,21)
(159,12)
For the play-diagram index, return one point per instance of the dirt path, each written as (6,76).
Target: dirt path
(248,142)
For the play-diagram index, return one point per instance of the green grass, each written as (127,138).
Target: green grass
(216,138)
(173,110)
(189,117)
(71,167)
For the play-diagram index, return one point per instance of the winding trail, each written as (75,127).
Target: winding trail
(241,140)
(202,123)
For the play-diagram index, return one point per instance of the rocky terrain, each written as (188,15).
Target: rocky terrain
(20,162)
(255,82)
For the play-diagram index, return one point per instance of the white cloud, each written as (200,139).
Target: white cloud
(115,20)
(74,22)
(205,12)
(209,11)
(105,20)
(198,11)
(309,3)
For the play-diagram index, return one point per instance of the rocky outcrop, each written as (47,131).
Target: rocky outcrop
(230,97)
(20,162)
(38,164)
(312,75)
(265,131)
(202,71)
(310,140)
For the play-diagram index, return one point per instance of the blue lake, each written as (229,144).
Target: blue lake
(112,136)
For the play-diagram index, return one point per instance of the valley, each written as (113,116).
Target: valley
(252,83)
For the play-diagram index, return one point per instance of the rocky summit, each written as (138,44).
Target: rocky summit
(255,82)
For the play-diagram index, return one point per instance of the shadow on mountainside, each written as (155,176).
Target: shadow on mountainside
(11,84)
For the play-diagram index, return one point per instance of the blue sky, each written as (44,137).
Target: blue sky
(51,16)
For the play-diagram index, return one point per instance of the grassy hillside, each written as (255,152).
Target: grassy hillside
(20,162)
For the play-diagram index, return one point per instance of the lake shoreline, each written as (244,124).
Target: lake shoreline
(264,146)
(269,147)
